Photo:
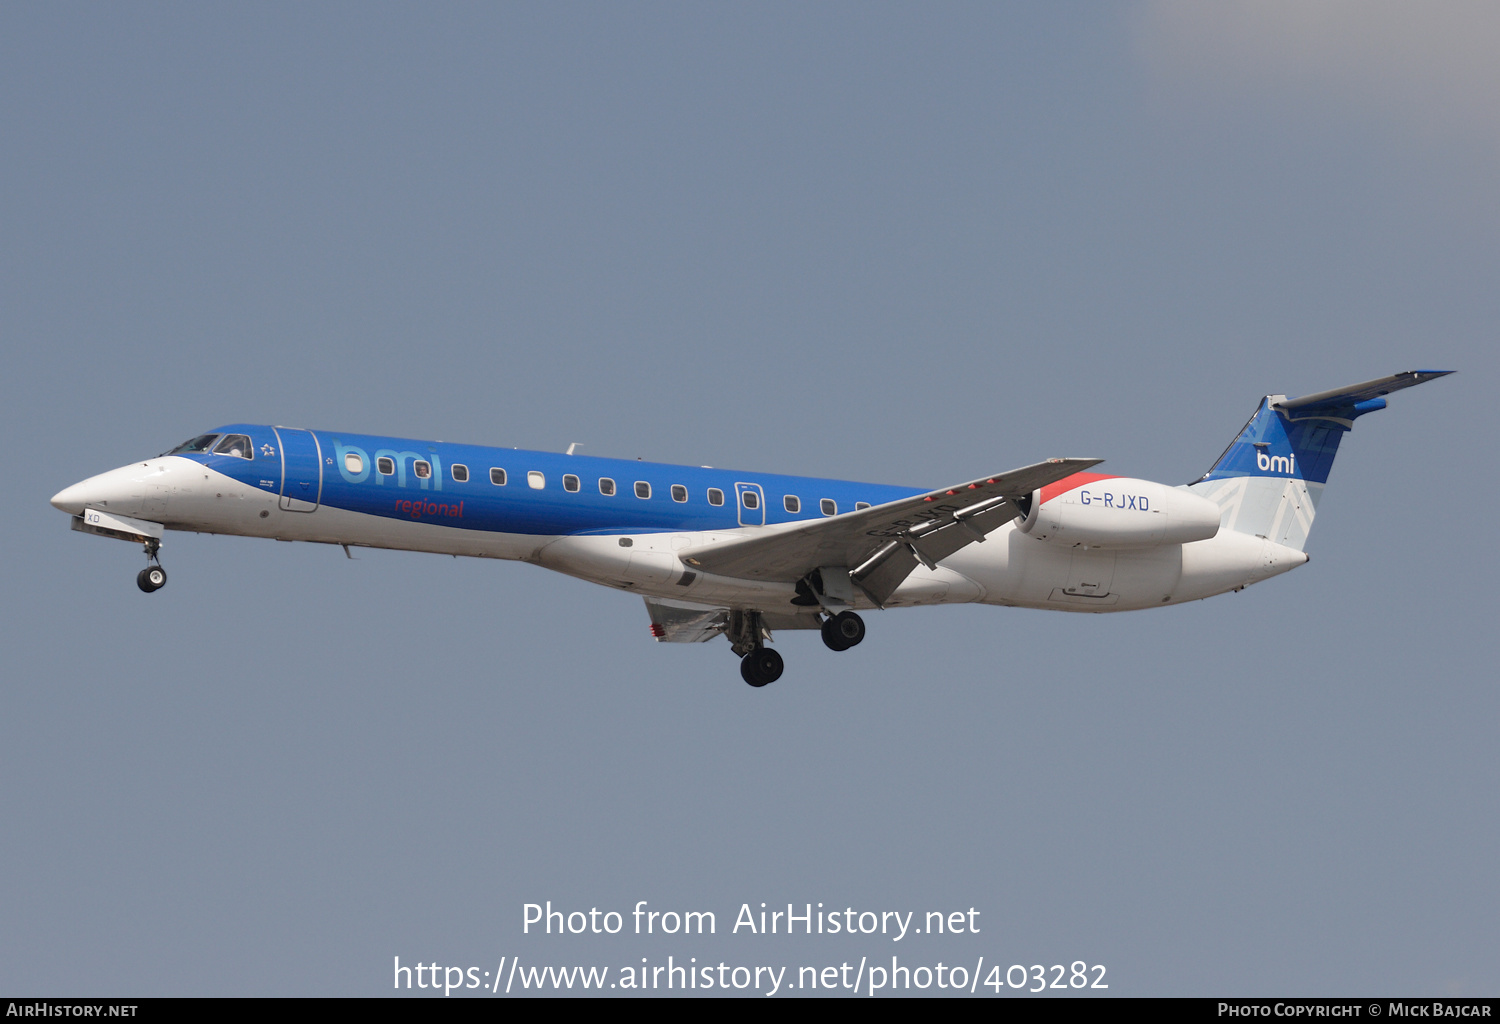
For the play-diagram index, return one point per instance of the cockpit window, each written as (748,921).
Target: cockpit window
(237,445)
(201,443)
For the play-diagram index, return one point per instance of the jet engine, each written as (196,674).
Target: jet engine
(1119,512)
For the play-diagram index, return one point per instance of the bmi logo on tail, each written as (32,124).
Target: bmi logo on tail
(1275,463)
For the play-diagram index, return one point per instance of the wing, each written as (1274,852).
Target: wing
(880,546)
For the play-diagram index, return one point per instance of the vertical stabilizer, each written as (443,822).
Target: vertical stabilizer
(1268,481)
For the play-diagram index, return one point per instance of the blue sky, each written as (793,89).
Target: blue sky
(911,244)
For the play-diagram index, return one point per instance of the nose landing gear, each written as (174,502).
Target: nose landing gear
(153,577)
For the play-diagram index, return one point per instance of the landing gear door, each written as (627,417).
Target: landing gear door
(752,504)
(301,469)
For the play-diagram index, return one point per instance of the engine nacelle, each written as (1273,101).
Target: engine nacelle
(1119,512)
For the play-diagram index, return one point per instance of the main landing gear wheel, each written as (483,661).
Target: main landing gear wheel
(151,579)
(761,666)
(843,631)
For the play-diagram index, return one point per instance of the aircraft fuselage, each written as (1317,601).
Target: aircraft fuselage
(631,524)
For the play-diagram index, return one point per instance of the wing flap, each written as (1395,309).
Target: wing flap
(680,622)
(677,622)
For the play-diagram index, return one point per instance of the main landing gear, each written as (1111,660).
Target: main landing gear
(759,665)
(153,577)
(843,631)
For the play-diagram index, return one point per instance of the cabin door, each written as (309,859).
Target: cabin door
(752,504)
(301,469)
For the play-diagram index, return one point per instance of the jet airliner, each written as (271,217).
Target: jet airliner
(740,554)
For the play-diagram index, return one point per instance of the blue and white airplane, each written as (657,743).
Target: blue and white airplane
(738,554)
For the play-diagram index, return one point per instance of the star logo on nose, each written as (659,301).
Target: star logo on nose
(267,450)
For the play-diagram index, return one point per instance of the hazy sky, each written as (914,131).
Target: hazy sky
(904,243)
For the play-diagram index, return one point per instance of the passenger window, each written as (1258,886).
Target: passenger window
(353,463)
(422,469)
(237,445)
(750,498)
(861,504)
(535,480)
(715,496)
(606,486)
(679,492)
(642,489)
(385,466)
(460,473)
(792,503)
(570,483)
(828,507)
(497,477)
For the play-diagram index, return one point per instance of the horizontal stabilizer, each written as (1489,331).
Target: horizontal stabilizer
(1353,395)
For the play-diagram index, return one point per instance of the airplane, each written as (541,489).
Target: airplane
(718,552)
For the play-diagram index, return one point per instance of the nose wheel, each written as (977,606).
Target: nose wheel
(153,577)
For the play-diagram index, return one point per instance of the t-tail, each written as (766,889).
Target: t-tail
(1268,481)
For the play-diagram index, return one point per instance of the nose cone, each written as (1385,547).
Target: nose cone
(120,490)
(72,500)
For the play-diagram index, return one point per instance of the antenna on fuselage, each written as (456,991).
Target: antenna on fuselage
(575,444)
